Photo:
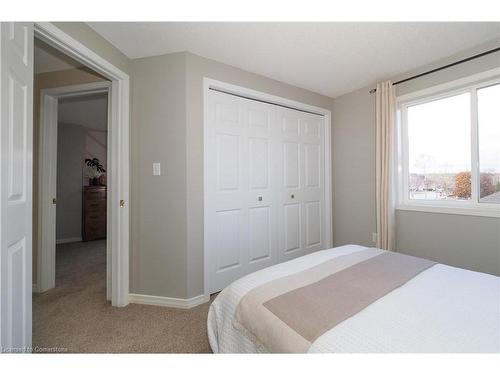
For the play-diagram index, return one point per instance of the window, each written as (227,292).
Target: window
(449,150)
(488,112)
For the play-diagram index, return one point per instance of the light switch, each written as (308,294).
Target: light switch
(156,169)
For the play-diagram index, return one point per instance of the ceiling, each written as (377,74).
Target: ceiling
(48,59)
(89,111)
(328,58)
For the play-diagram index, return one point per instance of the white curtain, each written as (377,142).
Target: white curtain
(385,112)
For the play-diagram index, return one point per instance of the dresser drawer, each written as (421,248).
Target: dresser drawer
(94,213)
(94,205)
(96,216)
(95,194)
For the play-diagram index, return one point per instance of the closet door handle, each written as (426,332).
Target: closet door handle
(292,196)
(259,199)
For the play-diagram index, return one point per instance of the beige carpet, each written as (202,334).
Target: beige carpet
(76,317)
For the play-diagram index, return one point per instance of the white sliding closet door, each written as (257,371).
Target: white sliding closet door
(264,186)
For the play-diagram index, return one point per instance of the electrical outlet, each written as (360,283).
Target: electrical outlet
(374,237)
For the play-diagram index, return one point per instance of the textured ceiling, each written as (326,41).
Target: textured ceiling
(328,58)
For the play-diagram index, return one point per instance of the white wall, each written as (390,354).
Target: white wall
(464,241)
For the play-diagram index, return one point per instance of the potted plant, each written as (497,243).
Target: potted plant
(94,170)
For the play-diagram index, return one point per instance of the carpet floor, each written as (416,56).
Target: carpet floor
(75,316)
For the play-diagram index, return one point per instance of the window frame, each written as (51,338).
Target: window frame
(469,85)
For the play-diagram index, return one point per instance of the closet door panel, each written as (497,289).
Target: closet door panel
(312,165)
(229,240)
(226,229)
(259,160)
(291,231)
(259,234)
(228,162)
(292,227)
(261,195)
(313,223)
(312,128)
(291,165)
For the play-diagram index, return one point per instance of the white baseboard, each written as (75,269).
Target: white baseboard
(178,303)
(68,240)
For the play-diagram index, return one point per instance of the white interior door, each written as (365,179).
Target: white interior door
(264,186)
(16,129)
(47,194)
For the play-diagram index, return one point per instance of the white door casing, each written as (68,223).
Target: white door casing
(118,151)
(16,168)
(265,186)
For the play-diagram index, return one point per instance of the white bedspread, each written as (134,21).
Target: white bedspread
(443,309)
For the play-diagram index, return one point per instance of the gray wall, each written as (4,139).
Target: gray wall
(69,181)
(353,168)
(158,203)
(470,242)
(167,127)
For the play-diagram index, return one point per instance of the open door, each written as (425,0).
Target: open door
(16,168)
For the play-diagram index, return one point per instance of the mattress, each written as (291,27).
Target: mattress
(442,309)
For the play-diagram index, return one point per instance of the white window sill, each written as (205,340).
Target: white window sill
(470,211)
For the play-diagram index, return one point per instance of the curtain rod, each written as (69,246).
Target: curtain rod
(443,67)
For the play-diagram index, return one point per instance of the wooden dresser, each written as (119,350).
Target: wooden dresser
(94,213)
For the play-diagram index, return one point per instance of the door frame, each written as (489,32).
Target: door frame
(118,152)
(47,177)
(209,83)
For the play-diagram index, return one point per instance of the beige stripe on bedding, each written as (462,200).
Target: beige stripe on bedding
(289,314)
(264,328)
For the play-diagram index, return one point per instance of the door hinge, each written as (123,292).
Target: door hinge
(122,203)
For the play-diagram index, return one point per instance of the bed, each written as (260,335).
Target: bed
(317,303)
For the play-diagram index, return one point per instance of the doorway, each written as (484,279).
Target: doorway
(72,179)
(116,86)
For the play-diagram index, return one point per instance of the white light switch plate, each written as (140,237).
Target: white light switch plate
(156,169)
